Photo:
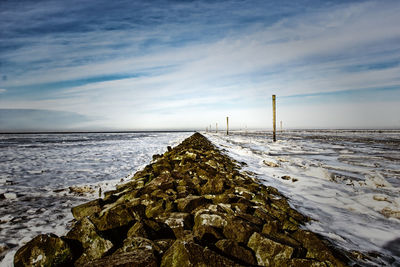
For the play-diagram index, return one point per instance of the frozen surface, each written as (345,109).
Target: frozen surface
(36,171)
(347,181)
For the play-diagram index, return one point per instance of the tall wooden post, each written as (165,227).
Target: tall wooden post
(273,118)
(216,127)
(227,125)
(281,127)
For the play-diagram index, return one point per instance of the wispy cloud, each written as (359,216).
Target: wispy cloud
(2,90)
(147,59)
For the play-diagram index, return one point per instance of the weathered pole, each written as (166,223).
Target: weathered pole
(281,127)
(216,127)
(273,118)
(227,125)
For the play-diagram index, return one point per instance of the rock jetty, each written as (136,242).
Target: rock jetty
(190,207)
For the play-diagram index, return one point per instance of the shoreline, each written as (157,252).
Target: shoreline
(196,212)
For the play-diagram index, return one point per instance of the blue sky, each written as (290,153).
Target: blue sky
(143,65)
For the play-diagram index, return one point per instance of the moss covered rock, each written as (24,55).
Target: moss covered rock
(45,250)
(137,257)
(86,209)
(94,246)
(316,248)
(183,253)
(236,251)
(191,202)
(268,252)
(114,217)
(239,230)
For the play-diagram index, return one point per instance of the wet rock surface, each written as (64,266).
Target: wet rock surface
(190,207)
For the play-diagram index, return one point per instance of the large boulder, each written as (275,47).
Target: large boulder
(86,209)
(213,186)
(155,209)
(45,250)
(187,253)
(135,258)
(191,202)
(94,246)
(268,252)
(179,222)
(115,216)
(138,230)
(134,243)
(239,230)
(208,225)
(316,248)
(235,251)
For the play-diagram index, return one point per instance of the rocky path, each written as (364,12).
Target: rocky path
(190,207)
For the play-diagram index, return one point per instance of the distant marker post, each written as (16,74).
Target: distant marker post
(227,125)
(216,127)
(273,118)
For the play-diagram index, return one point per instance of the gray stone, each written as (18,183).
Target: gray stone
(269,252)
(86,209)
(134,258)
(93,245)
(191,202)
(234,250)
(186,253)
(44,250)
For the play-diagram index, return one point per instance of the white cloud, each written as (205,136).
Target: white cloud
(303,54)
(2,90)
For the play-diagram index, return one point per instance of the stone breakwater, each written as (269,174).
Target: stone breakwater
(190,207)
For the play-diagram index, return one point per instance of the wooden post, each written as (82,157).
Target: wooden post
(216,127)
(227,125)
(273,118)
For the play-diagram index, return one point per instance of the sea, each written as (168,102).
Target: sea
(347,181)
(44,175)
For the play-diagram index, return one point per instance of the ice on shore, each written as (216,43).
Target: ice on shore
(347,181)
(43,175)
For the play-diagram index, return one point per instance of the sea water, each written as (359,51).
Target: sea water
(347,181)
(38,170)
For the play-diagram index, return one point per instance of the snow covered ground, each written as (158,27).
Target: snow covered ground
(36,171)
(347,181)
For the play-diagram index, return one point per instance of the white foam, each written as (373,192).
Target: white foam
(10,195)
(40,176)
(376,180)
(344,182)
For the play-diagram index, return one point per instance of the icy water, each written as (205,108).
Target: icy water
(36,171)
(348,182)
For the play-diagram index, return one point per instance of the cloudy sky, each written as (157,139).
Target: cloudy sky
(137,65)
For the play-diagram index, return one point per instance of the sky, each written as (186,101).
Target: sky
(185,65)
